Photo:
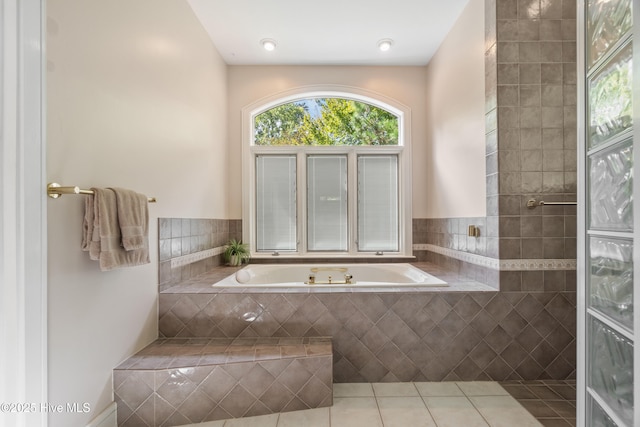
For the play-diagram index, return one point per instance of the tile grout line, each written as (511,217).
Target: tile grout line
(478,410)
(378,406)
(428,410)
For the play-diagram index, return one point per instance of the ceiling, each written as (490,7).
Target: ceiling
(327,32)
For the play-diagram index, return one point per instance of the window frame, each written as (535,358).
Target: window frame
(251,151)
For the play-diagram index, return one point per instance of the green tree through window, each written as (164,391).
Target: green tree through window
(326,121)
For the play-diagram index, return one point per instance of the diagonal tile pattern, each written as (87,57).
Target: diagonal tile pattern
(552,402)
(160,386)
(402,336)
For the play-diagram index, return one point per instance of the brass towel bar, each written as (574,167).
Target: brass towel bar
(532,203)
(55,190)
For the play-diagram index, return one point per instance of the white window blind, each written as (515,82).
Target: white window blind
(276,203)
(378,226)
(327,203)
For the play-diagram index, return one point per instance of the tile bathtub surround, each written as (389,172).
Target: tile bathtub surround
(451,233)
(184,236)
(176,382)
(398,336)
(419,404)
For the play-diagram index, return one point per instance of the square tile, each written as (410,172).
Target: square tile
(482,388)
(404,411)
(309,418)
(355,411)
(538,408)
(394,389)
(503,411)
(270,420)
(352,390)
(454,412)
(207,424)
(428,389)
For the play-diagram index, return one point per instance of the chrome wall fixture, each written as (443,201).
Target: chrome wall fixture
(532,203)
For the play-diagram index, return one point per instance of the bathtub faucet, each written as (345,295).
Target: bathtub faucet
(312,276)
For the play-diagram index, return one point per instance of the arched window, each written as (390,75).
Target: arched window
(326,121)
(327,177)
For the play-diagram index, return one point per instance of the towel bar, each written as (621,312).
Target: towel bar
(532,203)
(55,190)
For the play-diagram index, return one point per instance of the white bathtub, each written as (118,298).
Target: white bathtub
(329,275)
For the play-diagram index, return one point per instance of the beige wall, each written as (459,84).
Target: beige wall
(455,160)
(406,85)
(136,98)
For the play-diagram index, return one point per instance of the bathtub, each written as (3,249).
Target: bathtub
(329,275)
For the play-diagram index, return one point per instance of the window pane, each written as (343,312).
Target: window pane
(610,98)
(326,121)
(276,203)
(327,203)
(611,278)
(610,371)
(378,227)
(611,188)
(607,22)
(598,418)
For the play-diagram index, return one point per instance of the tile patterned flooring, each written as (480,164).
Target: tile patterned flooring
(417,404)
(552,402)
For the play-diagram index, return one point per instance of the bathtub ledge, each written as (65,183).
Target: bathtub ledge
(203,284)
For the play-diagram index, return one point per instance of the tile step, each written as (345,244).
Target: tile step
(181,381)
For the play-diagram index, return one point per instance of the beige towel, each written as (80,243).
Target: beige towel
(106,233)
(87,223)
(91,229)
(133,217)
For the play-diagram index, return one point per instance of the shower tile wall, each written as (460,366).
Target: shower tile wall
(184,236)
(530,110)
(534,105)
(530,79)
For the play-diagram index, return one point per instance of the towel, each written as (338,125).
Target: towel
(105,245)
(91,229)
(133,217)
(87,223)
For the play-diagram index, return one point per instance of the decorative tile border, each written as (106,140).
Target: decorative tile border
(483,261)
(460,255)
(500,264)
(195,257)
(537,264)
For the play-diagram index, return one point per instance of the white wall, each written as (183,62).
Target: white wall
(136,98)
(455,176)
(248,84)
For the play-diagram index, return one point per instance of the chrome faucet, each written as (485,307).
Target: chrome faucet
(347,278)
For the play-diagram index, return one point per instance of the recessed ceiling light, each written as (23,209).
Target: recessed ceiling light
(268,44)
(385,44)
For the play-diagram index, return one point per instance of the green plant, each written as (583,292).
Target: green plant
(236,252)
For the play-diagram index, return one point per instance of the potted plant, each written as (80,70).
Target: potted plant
(236,252)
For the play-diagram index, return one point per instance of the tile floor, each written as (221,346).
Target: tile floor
(552,402)
(420,404)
